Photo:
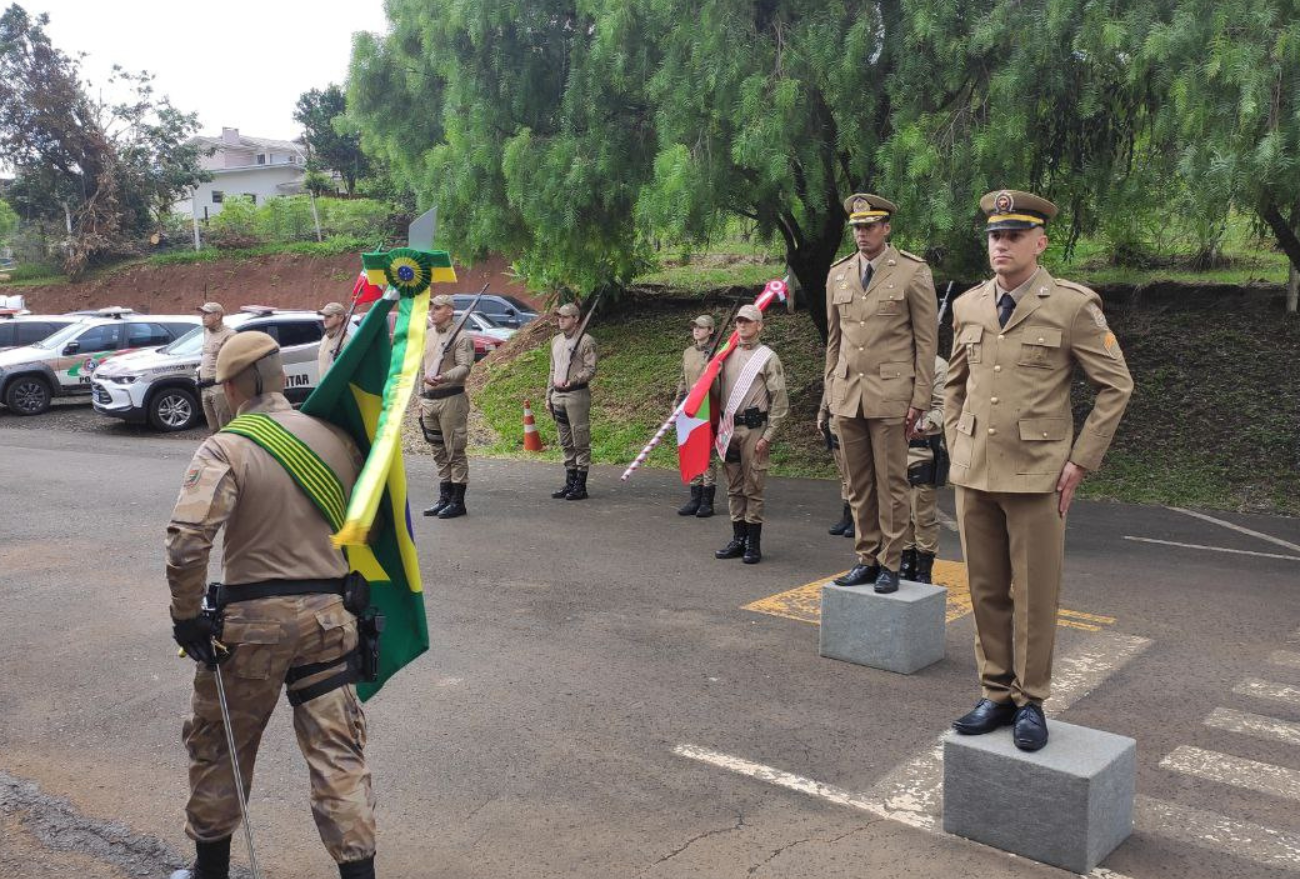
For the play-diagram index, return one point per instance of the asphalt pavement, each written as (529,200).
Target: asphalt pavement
(600,699)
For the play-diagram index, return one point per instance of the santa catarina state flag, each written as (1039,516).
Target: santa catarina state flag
(694,441)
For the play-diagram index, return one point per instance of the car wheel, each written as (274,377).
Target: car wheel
(28,395)
(173,409)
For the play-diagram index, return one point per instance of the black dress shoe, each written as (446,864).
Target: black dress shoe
(985,717)
(859,575)
(1030,731)
(887,581)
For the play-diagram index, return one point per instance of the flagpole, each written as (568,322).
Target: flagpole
(654,441)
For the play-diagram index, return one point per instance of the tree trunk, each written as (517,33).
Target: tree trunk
(811,261)
(1290,244)
(1293,290)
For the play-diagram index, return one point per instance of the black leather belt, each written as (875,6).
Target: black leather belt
(442,393)
(577,387)
(918,444)
(235,592)
(751,418)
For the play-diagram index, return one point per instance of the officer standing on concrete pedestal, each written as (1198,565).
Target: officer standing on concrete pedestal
(1017,340)
(882,334)
(826,425)
(754,402)
(568,399)
(927,471)
(280,613)
(335,317)
(444,406)
(694,360)
(215,334)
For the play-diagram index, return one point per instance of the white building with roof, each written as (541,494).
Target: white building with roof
(254,166)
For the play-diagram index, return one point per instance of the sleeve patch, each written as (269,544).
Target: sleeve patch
(1111,344)
(1100,320)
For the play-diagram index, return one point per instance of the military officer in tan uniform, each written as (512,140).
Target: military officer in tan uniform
(921,542)
(215,334)
(882,334)
(568,399)
(694,359)
(751,387)
(335,318)
(444,407)
(1017,340)
(284,620)
(826,425)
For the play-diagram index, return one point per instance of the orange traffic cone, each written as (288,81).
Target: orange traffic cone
(532,439)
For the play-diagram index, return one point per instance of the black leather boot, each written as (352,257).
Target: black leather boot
(579,490)
(358,869)
(212,861)
(570,477)
(846,521)
(753,544)
(850,532)
(457,505)
(706,502)
(692,506)
(924,567)
(736,548)
(444,498)
(907,570)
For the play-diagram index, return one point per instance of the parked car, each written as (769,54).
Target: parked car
(61,364)
(161,387)
(28,329)
(486,326)
(505,311)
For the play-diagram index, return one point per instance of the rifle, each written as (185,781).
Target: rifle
(460,325)
(943,306)
(582,327)
(717,343)
(347,321)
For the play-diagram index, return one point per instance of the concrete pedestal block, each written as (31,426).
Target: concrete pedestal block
(900,632)
(1069,805)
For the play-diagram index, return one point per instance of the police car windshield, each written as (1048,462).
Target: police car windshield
(190,343)
(57,340)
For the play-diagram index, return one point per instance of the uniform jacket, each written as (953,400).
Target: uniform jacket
(212,342)
(325,356)
(578,369)
(694,360)
(1007,413)
(456,361)
(273,530)
(880,342)
(767,392)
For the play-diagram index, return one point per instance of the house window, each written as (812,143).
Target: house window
(261,158)
(217,196)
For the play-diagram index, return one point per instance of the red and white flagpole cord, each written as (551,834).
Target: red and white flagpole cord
(654,441)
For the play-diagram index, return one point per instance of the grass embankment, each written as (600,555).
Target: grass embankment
(1214,420)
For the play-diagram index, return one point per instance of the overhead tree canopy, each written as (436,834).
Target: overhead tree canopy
(332,143)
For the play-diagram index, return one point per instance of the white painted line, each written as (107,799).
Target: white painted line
(1268,690)
(1264,778)
(1256,725)
(947,521)
(1266,555)
(1285,657)
(1213,521)
(1241,839)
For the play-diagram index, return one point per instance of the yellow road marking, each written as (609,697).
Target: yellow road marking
(804,603)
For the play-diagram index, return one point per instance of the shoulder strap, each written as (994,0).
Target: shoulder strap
(313,475)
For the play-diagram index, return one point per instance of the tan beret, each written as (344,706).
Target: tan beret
(211,308)
(865,208)
(243,351)
(1013,209)
(705,321)
(332,308)
(568,309)
(440,300)
(749,312)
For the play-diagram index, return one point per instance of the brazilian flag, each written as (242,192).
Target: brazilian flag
(366,392)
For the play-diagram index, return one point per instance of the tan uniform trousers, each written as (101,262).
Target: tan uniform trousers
(746,475)
(215,408)
(572,410)
(446,426)
(1014,545)
(923,525)
(269,636)
(875,453)
(710,475)
(841,467)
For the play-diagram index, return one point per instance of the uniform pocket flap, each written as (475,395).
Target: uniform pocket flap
(897,370)
(842,296)
(334,617)
(250,632)
(1044,429)
(1045,336)
(970,335)
(966,423)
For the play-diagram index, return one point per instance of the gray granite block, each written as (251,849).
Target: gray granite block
(900,632)
(1069,805)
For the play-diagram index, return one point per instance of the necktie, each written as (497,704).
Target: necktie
(1006,305)
(866,276)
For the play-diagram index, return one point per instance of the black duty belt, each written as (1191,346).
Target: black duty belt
(751,418)
(923,443)
(232,593)
(442,393)
(578,387)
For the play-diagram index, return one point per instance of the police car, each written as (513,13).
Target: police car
(61,363)
(161,387)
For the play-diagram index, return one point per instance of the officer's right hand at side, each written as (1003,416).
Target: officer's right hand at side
(195,636)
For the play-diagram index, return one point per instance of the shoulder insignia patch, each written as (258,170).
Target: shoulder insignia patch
(1111,344)
(911,256)
(192,476)
(845,259)
(1100,320)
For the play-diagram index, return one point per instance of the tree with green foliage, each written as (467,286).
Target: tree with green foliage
(333,144)
(8,223)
